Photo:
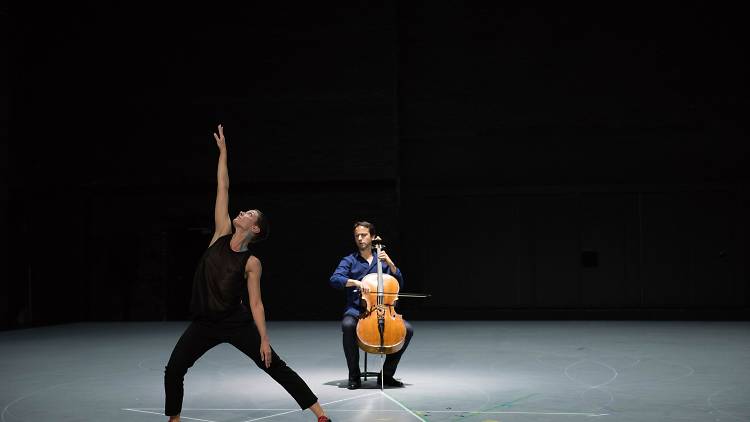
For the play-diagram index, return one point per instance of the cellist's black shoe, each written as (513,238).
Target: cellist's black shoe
(354,383)
(390,382)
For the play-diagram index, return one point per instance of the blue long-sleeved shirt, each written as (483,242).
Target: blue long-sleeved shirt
(355,267)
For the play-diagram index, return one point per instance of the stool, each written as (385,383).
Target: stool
(365,374)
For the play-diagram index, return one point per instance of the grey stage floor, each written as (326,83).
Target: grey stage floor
(454,371)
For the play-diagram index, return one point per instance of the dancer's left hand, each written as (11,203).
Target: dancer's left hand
(265,352)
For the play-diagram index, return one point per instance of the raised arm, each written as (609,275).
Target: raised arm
(222,222)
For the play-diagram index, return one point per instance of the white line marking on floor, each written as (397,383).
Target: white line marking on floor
(403,407)
(161,414)
(300,410)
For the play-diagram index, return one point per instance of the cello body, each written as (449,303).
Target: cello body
(376,316)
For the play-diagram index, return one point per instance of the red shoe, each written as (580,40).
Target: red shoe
(324,419)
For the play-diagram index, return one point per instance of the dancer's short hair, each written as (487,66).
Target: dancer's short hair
(265,228)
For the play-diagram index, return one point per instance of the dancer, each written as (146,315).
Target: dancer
(219,315)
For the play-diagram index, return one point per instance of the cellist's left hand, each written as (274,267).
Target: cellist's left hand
(387,259)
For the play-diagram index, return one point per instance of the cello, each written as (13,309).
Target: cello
(380,329)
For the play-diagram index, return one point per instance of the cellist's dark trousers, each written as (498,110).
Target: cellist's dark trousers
(199,337)
(351,350)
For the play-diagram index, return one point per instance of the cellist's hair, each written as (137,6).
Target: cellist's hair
(366,224)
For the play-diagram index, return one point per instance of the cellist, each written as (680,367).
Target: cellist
(350,271)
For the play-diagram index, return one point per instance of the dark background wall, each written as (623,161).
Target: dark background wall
(4,123)
(520,161)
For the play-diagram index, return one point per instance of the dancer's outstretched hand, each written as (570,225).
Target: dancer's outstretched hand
(220,141)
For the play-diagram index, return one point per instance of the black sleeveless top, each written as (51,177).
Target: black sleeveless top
(219,284)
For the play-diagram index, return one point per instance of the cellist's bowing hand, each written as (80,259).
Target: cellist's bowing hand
(265,352)
(364,288)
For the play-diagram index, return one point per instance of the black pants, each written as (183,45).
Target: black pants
(200,337)
(351,350)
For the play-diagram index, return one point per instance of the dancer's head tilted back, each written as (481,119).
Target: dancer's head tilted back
(255,223)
